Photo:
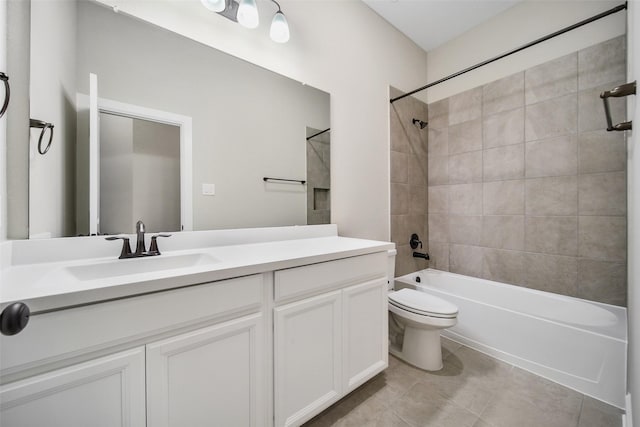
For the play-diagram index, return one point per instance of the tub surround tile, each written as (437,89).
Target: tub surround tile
(439,114)
(399,167)
(504,94)
(503,266)
(439,254)
(438,170)
(406,263)
(503,232)
(552,157)
(465,167)
(399,199)
(465,230)
(417,200)
(552,235)
(439,228)
(604,281)
(503,197)
(417,171)
(602,63)
(552,196)
(399,228)
(548,119)
(603,194)
(438,198)
(504,128)
(602,237)
(590,111)
(465,136)
(465,106)
(602,151)
(551,273)
(503,163)
(552,79)
(438,141)
(465,199)
(465,260)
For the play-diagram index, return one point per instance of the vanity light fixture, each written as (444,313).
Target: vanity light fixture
(279,31)
(215,5)
(246,14)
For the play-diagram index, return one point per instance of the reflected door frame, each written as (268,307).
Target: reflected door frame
(109,106)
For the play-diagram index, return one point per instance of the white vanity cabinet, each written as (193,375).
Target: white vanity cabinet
(209,377)
(194,357)
(105,392)
(331,342)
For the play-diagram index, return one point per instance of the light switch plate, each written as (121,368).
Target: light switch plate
(208,189)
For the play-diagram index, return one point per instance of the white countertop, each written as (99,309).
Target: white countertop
(47,286)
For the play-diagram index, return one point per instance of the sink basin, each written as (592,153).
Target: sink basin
(123,267)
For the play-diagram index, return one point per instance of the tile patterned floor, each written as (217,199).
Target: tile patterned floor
(472,390)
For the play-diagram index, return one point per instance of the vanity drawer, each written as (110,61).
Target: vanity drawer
(52,337)
(302,281)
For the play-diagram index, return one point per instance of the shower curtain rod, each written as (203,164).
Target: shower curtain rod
(318,134)
(516,50)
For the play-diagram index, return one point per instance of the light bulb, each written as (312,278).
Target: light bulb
(214,5)
(279,31)
(248,14)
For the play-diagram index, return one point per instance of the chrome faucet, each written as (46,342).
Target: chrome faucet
(141,250)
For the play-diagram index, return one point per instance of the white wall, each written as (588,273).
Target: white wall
(521,24)
(52,99)
(341,47)
(633,201)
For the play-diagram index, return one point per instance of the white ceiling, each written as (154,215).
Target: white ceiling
(430,23)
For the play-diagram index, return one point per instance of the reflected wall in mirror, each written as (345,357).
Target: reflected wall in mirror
(248,122)
(318,176)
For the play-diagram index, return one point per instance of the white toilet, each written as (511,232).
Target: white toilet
(415,321)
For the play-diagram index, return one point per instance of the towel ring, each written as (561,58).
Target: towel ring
(7,93)
(44,126)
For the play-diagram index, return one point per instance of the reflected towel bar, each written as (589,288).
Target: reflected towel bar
(318,134)
(617,92)
(301,181)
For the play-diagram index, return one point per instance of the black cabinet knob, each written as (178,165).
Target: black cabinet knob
(14,318)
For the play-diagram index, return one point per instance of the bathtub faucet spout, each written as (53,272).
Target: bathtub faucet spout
(421,255)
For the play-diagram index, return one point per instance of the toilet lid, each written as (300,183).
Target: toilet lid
(422,303)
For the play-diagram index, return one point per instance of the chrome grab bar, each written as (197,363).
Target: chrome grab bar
(617,92)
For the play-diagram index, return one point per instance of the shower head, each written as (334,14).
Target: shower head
(420,124)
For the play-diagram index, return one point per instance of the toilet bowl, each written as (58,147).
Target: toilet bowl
(417,318)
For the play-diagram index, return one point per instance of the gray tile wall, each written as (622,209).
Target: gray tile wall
(408,181)
(318,177)
(525,186)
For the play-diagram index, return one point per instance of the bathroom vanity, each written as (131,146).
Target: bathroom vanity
(226,328)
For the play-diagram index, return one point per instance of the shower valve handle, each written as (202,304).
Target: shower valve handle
(415,241)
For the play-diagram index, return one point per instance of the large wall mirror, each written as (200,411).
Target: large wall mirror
(245,123)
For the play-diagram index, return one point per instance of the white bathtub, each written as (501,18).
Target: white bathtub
(580,344)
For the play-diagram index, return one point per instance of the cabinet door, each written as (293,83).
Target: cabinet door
(209,377)
(307,357)
(108,391)
(365,337)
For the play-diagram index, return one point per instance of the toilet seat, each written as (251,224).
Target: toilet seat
(423,304)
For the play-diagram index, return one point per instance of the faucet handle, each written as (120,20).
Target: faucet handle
(154,243)
(126,248)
